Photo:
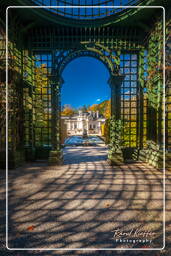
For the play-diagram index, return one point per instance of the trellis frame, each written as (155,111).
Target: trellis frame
(65,38)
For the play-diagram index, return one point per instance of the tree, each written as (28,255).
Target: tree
(68,111)
(104,108)
(107,111)
(84,108)
(42,113)
(94,107)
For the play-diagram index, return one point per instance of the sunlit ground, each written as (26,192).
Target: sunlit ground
(80,204)
(80,140)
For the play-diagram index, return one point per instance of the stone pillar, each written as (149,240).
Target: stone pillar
(115,82)
(55,155)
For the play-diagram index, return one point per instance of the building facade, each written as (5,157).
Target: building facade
(84,123)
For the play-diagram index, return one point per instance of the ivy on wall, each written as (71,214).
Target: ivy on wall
(154,82)
(116,135)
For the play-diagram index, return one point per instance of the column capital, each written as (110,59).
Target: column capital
(116,80)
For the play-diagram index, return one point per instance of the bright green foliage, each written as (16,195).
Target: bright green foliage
(155,67)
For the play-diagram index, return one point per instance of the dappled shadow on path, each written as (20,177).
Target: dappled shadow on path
(80,204)
(73,155)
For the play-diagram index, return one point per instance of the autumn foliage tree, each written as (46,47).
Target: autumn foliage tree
(68,111)
(107,109)
(41,96)
(42,114)
(104,108)
(94,107)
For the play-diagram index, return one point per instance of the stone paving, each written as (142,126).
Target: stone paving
(80,204)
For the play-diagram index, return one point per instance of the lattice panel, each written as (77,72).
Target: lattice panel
(129,68)
(66,38)
(86,13)
(2,91)
(168,85)
(42,99)
(154,84)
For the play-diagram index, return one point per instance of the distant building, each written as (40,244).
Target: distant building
(84,123)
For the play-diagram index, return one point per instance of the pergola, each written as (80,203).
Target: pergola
(42,41)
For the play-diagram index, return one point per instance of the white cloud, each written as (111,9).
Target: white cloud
(127,92)
(98,100)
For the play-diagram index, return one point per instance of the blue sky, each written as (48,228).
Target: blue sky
(90,12)
(85,82)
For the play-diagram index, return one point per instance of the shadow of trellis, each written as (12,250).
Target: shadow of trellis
(79,204)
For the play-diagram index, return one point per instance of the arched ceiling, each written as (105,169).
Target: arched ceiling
(82,11)
(88,13)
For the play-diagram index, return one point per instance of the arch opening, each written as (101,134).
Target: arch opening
(85,98)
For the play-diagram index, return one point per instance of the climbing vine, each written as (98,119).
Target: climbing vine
(155,70)
(116,135)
